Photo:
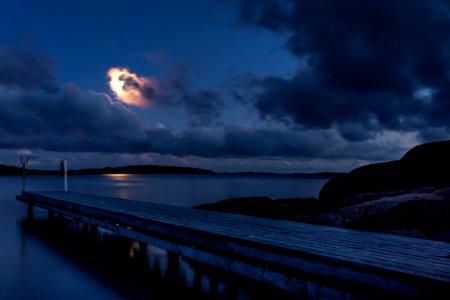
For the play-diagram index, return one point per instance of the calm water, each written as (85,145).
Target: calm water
(39,261)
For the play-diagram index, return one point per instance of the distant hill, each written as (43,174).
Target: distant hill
(9,170)
(142,169)
(155,169)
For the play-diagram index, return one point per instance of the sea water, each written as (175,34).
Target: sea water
(39,260)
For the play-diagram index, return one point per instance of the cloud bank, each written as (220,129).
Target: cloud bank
(364,67)
(358,94)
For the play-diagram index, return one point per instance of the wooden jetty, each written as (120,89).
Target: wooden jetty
(315,261)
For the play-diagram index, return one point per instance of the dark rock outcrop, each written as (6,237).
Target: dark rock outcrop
(421,213)
(409,197)
(424,165)
(287,208)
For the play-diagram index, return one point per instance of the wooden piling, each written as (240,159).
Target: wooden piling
(142,249)
(173,264)
(197,279)
(30,211)
(93,231)
(51,216)
(85,228)
(213,285)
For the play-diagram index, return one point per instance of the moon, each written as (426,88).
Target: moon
(128,87)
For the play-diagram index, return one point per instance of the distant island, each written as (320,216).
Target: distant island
(139,169)
(157,169)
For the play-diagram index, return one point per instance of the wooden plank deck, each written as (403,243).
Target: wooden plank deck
(316,261)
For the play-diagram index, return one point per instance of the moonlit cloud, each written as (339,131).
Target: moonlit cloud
(132,89)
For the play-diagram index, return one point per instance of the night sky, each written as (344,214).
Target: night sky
(228,85)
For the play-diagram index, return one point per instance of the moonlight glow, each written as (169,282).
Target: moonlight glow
(130,88)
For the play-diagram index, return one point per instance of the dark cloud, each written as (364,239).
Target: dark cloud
(69,119)
(203,107)
(37,113)
(20,68)
(66,118)
(129,83)
(244,142)
(278,142)
(361,63)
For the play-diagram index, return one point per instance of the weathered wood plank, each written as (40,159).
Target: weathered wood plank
(301,251)
(340,247)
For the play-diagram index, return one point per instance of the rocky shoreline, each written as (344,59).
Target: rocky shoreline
(409,197)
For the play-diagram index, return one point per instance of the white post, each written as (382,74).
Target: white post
(23,162)
(65,175)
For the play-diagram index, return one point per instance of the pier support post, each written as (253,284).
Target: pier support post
(231,288)
(173,264)
(142,249)
(30,211)
(213,285)
(85,229)
(93,231)
(51,216)
(142,257)
(59,217)
(197,279)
